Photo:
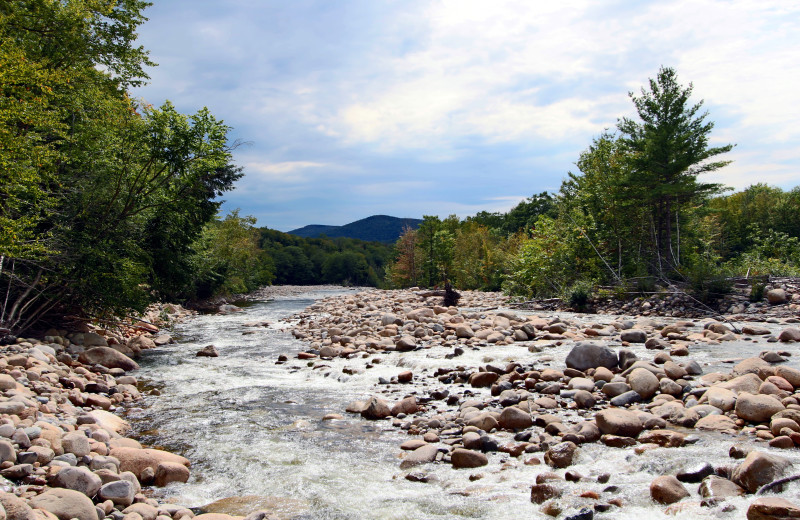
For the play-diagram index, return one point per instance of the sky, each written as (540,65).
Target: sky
(352,108)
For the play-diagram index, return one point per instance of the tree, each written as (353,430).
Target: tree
(668,149)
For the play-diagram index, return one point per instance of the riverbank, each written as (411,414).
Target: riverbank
(496,391)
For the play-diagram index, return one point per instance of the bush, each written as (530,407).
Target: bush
(579,294)
(757,291)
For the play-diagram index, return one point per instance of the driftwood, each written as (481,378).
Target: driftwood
(776,483)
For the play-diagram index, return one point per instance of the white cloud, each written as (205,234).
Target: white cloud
(287,171)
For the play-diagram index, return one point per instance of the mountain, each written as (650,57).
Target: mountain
(377,228)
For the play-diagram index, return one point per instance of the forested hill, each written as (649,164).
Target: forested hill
(377,228)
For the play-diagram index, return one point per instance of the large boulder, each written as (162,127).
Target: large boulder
(120,492)
(107,357)
(757,408)
(561,455)
(759,469)
(633,336)
(65,504)
(110,422)
(137,460)
(586,355)
(422,455)
(376,408)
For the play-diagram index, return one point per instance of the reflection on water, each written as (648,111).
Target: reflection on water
(251,427)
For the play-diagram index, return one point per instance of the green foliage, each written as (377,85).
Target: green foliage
(102,197)
(771,253)
(229,259)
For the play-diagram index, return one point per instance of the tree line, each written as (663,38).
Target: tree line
(634,214)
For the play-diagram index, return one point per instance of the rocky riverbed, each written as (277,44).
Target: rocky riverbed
(493,412)
(491,391)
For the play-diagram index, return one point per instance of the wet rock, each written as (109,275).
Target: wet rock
(667,490)
(718,487)
(375,408)
(584,399)
(462,458)
(633,336)
(541,493)
(407,406)
(664,438)
(626,358)
(422,455)
(696,473)
(759,469)
(586,355)
(483,379)
(561,455)
(584,513)
(755,330)
(208,351)
(772,508)
(618,422)
(167,472)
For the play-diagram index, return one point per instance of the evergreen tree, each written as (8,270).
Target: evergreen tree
(668,149)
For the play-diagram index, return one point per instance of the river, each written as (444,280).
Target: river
(254,428)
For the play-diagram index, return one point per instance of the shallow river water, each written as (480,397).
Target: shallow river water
(254,428)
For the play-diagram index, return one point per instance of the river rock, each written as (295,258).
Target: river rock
(755,330)
(14,508)
(461,458)
(776,296)
(78,479)
(757,408)
(483,379)
(561,455)
(759,469)
(618,422)
(667,489)
(422,455)
(110,422)
(107,357)
(138,460)
(664,438)
(120,492)
(65,504)
(718,423)
(407,406)
(643,382)
(772,508)
(633,336)
(406,343)
(513,418)
(76,443)
(541,493)
(718,487)
(792,375)
(789,334)
(586,355)
(376,408)
(167,472)
(208,351)
(719,397)
(749,383)
(584,399)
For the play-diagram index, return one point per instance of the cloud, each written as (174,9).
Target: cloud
(407,108)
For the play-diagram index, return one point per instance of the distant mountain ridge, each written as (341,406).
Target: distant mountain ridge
(377,228)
